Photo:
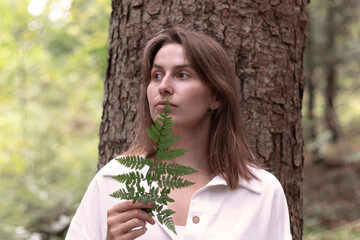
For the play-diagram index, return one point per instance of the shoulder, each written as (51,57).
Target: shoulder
(266,177)
(266,182)
(114,168)
(90,217)
(111,168)
(103,181)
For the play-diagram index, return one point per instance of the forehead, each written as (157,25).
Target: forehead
(172,53)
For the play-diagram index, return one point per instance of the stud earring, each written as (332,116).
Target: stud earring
(212,110)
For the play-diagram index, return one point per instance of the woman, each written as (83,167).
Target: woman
(232,197)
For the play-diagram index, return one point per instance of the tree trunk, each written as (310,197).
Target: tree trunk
(331,66)
(264,39)
(310,84)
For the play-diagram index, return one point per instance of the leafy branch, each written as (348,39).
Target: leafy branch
(167,176)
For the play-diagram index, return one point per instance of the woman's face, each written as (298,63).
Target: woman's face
(173,79)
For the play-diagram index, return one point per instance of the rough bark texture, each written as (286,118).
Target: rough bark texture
(265,40)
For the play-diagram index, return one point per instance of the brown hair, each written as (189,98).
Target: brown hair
(228,150)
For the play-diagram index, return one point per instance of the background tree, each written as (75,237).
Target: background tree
(53,60)
(265,41)
(339,16)
(330,48)
(332,62)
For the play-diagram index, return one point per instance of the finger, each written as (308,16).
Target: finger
(127,205)
(109,236)
(133,234)
(115,217)
(123,228)
(132,225)
(138,213)
(132,210)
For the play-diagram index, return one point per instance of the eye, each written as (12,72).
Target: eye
(156,76)
(183,75)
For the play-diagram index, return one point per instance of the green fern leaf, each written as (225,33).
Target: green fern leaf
(166,175)
(130,178)
(165,218)
(168,212)
(174,182)
(135,162)
(167,141)
(173,169)
(169,154)
(153,135)
(121,193)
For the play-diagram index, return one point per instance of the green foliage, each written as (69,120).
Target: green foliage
(347,98)
(167,176)
(51,87)
(313,230)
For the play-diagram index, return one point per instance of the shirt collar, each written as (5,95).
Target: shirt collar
(251,185)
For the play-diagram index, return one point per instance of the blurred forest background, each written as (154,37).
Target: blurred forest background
(53,59)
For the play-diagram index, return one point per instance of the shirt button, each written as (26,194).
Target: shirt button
(196,219)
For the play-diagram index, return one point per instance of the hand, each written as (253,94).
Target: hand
(123,217)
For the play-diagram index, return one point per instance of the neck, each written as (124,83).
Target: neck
(195,140)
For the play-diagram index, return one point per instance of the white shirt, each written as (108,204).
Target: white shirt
(256,210)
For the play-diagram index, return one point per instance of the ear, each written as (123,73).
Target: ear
(215,102)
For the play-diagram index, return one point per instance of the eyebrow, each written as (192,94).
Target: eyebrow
(176,66)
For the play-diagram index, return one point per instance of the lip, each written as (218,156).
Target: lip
(161,103)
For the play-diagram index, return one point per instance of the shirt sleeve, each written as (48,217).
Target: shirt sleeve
(280,223)
(85,224)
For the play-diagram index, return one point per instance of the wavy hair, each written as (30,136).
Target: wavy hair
(228,151)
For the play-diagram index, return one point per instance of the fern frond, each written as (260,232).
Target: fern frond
(130,178)
(164,217)
(167,141)
(173,182)
(169,154)
(159,130)
(165,199)
(123,194)
(167,121)
(154,133)
(173,169)
(135,162)
(166,175)
(165,191)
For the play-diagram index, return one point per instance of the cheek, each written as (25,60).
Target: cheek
(199,96)
(150,93)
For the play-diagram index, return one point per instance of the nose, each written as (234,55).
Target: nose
(166,86)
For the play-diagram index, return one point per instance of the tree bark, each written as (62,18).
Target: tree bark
(264,39)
